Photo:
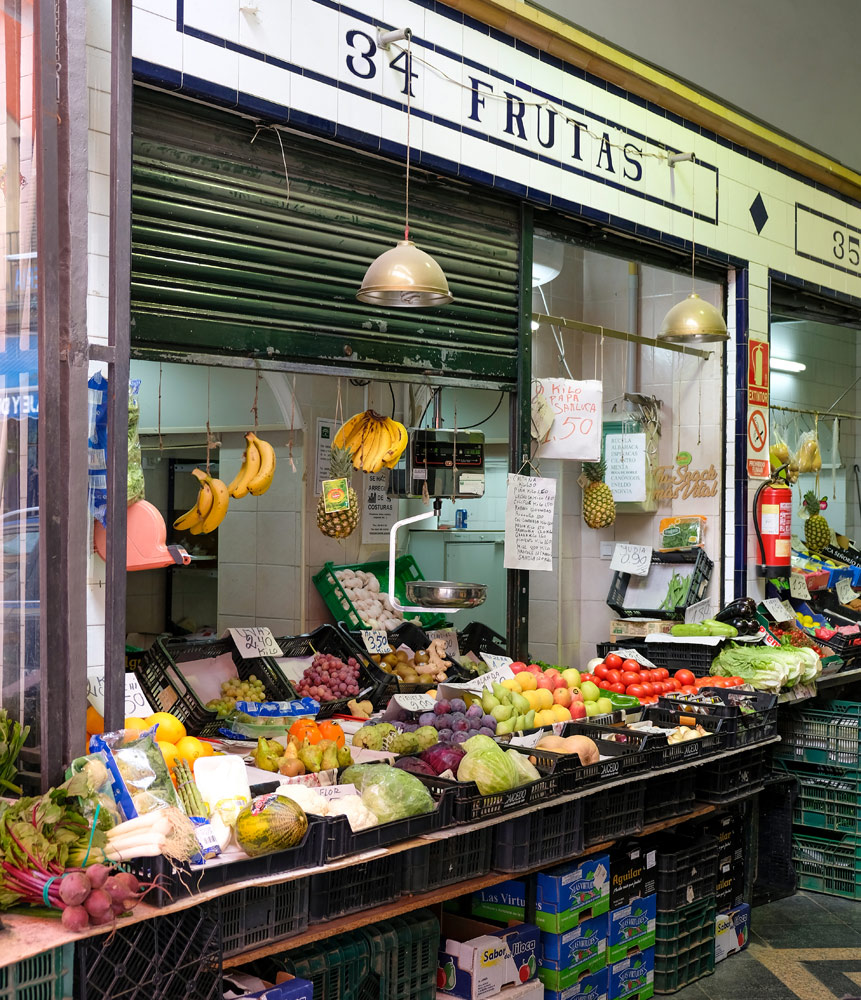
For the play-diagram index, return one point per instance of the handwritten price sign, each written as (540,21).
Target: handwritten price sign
(137,705)
(635,559)
(452,649)
(376,641)
(254,642)
(798,587)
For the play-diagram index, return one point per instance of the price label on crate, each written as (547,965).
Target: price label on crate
(635,654)
(376,641)
(496,661)
(415,702)
(777,610)
(635,559)
(845,591)
(798,587)
(336,791)
(452,649)
(255,641)
(697,612)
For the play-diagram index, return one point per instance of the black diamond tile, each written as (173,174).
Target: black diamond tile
(758,213)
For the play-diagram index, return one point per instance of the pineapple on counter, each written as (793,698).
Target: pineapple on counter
(339,523)
(599,507)
(817,534)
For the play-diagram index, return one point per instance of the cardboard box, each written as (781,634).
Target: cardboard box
(726,829)
(633,869)
(240,986)
(633,978)
(578,951)
(636,627)
(729,884)
(503,902)
(732,931)
(592,987)
(569,894)
(631,928)
(478,960)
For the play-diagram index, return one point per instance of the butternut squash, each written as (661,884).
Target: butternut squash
(586,749)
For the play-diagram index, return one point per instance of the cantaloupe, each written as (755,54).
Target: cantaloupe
(270,823)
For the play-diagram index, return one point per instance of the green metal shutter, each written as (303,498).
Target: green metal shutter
(223,263)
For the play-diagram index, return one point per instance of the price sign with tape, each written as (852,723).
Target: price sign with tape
(336,791)
(452,649)
(798,587)
(845,591)
(635,559)
(254,642)
(777,610)
(376,641)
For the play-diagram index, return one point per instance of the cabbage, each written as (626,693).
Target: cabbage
(526,771)
(490,768)
(391,793)
(355,774)
(444,758)
(414,765)
(812,665)
(479,743)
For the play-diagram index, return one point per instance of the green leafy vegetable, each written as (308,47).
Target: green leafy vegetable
(766,668)
(489,767)
(391,793)
(12,737)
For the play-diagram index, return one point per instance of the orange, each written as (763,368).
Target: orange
(169,753)
(133,722)
(189,748)
(95,723)
(170,729)
(207,749)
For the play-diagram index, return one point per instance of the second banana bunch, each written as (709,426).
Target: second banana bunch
(374,441)
(213,498)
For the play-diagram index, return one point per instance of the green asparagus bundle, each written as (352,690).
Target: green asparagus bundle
(189,793)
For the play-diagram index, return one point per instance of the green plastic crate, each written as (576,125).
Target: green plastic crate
(404,953)
(44,977)
(674,972)
(337,968)
(678,931)
(406,570)
(830,735)
(832,866)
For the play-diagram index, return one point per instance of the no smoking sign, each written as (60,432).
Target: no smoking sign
(757,443)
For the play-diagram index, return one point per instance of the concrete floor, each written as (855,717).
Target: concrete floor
(805,947)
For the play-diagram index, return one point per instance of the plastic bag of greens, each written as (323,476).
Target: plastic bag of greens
(391,793)
(140,779)
(135,474)
(98,790)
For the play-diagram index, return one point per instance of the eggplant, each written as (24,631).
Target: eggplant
(744,625)
(744,607)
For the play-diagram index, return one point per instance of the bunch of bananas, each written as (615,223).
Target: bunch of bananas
(257,470)
(374,441)
(209,509)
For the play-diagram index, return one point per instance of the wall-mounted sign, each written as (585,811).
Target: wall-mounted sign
(683,482)
(576,428)
(757,373)
(625,455)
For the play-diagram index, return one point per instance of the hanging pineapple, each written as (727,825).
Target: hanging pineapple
(339,523)
(817,534)
(599,508)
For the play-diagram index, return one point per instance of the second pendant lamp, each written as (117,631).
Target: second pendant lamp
(405,277)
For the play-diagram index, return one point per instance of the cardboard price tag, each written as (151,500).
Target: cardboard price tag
(528,740)
(798,587)
(255,641)
(337,791)
(635,559)
(777,610)
(697,612)
(452,649)
(376,641)
(496,661)
(415,702)
(845,591)
(136,702)
(633,654)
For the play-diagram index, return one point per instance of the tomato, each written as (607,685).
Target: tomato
(659,686)
(631,665)
(604,685)
(675,683)
(663,673)
(635,690)
(684,677)
(614,676)
(613,661)
(648,689)
(630,677)
(618,688)
(688,689)
(601,670)
(737,681)
(652,700)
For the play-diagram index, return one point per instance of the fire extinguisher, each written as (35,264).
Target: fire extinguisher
(772,519)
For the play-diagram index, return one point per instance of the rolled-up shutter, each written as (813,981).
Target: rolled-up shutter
(227,260)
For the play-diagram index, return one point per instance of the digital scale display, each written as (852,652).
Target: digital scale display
(434,452)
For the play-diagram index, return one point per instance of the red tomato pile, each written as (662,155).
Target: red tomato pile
(647,684)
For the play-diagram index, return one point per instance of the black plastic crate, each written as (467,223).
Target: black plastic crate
(619,760)
(168,690)
(732,779)
(701,570)
(660,753)
(374,685)
(748,716)
(175,879)
(614,813)
(339,840)
(544,836)
(469,805)
(444,862)
(359,887)
(478,638)
(670,795)
(414,636)
(775,872)
(175,955)
(687,870)
(673,656)
(262,914)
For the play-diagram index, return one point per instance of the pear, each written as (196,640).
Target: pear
(520,723)
(503,695)
(529,722)
(501,713)
(488,702)
(521,705)
(506,726)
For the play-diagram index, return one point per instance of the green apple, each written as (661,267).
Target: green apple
(605,706)
(501,713)
(571,677)
(590,691)
(591,708)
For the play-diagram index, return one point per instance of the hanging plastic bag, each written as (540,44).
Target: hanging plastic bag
(97,442)
(136,486)
(809,455)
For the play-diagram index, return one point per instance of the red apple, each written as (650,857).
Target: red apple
(576,694)
(545,682)
(533,668)
(562,696)
(517,666)
(577,709)
(560,682)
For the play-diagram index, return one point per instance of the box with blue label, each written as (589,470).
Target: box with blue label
(584,945)
(632,928)
(477,960)
(732,931)
(503,902)
(567,895)
(588,987)
(633,978)
(241,986)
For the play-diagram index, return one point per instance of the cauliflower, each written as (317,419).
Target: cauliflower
(305,797)
(359,816)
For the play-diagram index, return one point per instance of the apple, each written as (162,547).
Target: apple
(517,666)
(533,668)
(562,696)
(552,673)
(590,691)
(545,682)
(578,709)
(560,682)
(572,677)
(605,706)
(576,694)
(591,708)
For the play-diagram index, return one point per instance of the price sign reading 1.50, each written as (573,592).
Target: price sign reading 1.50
(635,559)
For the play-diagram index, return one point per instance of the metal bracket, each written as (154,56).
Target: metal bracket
(385,38)
(675,158)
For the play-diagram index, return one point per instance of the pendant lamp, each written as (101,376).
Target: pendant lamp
(693,321)
(404,277)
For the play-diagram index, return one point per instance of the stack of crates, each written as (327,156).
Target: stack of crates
(821,748)
(686,910)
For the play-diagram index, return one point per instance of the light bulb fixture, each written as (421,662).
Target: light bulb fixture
(405,277)
(693,321)
(782,365)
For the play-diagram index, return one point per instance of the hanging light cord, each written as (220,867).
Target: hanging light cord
(693,223)
(409,36)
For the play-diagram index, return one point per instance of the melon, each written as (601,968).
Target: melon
(270,823)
